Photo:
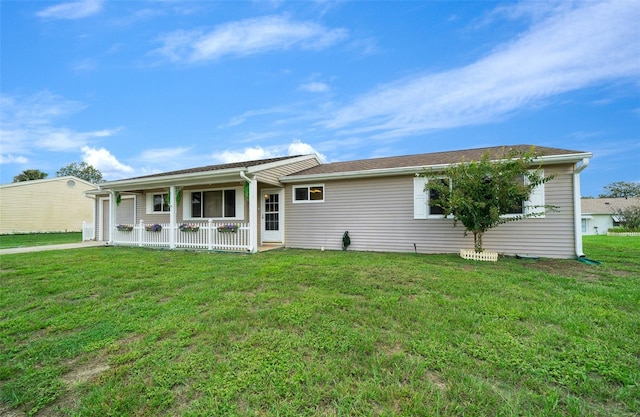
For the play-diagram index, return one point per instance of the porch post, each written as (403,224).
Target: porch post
(112,216)
(253,212)
(172,217)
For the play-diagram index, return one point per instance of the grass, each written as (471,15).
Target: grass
(135,332)
(39,239)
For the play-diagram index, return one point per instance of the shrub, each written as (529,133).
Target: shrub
(629,218)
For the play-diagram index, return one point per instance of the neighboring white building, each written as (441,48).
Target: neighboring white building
(598,214)
(50,205)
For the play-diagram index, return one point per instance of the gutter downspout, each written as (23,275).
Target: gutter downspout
(577,209)
(253,211)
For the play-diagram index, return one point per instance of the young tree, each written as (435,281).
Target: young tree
(81,170)
(621,189)
(484,194)
(29,175)
(629,218)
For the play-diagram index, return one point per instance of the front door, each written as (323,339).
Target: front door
(272,218)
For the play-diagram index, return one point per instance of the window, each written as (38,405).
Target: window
(517,208)
(214,204)
(534,205)
(434,195)
(219,203)
(160,203)
(422,207)
(308,194)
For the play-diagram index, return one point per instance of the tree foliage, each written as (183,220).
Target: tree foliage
(30,175)
(629,218)
(81,170)
(483,194)
(621,189)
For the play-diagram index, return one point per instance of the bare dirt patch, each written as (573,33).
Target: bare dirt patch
(436,380)
(85,372)
(6,411)
(564,267)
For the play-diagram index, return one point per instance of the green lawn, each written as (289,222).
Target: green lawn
(38,239)
(133,332)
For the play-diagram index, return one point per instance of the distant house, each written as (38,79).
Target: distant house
(598,214)
(50,205)
(299,202)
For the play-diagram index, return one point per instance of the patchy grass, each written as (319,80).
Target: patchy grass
(38,239)
(117,331)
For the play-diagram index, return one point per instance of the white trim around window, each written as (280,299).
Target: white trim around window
(534,206)
(308,193)
(151,202)
(421,207)
(191,202)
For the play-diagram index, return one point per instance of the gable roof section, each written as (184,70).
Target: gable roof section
(607,205)
(34,182)
(397,165)
(205,174)
(218,167)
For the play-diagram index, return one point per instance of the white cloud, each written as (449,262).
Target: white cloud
(255,153)
(568,48)
(12,159)
(300,148)
(105,162)
(238,120)
(314,87)
(72,10)
(247,37)
(248,154)
(29,124)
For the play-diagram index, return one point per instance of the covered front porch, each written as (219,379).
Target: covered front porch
(207,235)
(228,207)
(179,216)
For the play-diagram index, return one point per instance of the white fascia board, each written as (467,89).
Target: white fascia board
(561,159)
(544,160)
(383,172)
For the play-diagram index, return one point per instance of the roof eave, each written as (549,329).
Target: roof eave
(178,179)
(412,170)
(194,178)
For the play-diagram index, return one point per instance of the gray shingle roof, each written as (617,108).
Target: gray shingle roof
(427,159)
(607,205)
(219,167)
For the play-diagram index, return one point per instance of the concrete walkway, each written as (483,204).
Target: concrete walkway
(27,249)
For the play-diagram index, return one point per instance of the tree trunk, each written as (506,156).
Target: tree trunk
(477,241)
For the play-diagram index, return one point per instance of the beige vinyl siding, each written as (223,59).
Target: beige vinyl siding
(379,215)
(50,205)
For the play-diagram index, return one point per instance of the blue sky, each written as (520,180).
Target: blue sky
(138,87)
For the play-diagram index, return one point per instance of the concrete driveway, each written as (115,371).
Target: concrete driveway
(87,244)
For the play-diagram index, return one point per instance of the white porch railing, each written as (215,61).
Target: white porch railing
(88,231)
(202,236)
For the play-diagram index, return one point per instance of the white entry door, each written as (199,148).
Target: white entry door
(272,216)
